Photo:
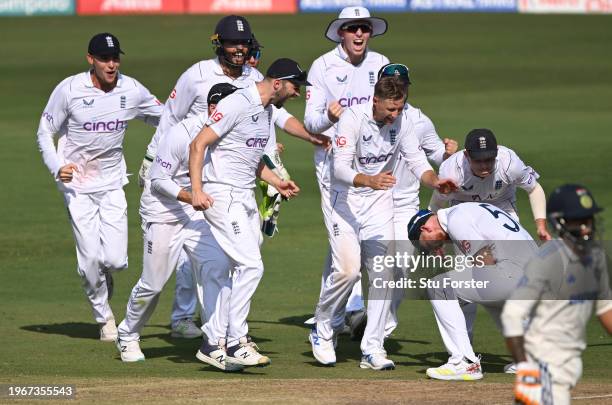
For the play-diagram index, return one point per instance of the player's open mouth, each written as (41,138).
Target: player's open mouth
(358,42)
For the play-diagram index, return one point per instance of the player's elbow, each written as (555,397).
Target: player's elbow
(606,321)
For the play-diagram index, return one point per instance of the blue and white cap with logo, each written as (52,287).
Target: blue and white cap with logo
(104,44)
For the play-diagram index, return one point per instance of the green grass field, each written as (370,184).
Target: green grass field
(542,83)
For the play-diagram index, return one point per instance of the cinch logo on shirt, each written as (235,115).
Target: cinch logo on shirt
(257,142)
(116,125)
(366,160)
(349,101)
(162,163)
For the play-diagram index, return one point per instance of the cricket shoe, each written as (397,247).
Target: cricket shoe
(108,331)
(130,351)
(510,368)
(377,361)
(357,321)
(462,371)
(217,356)
(186,329)
(246,353)
(322,349)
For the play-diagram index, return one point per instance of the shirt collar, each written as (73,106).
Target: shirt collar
(218,69)
(344,56)
(443,218)
(89,83)
(252,89)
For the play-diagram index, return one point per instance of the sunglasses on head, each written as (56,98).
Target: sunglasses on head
(353,28)
(395,70)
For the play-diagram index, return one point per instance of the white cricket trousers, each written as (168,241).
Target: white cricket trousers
(185,292)
(99,226)
(502,277)
(361,228)
(163,243)
(401,218)
(234,222)
(355,300)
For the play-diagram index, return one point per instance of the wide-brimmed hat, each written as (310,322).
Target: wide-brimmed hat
(353,13)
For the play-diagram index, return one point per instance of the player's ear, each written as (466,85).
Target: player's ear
(90,59)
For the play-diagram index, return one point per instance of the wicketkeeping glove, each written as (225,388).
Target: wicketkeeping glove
(269,208)
(532,384)
(143,173)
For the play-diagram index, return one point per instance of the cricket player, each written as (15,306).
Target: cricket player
(490,173)
(369,139)
(90,112)
(230,148)
(562,284)
(341,78)
(406,191)
(499,247)
(171,225)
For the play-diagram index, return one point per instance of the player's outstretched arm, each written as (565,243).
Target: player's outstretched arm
(287,188)
(295,128)
(537,200)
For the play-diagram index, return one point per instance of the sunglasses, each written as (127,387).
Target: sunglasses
(300,77)
(353,28)
(395,70)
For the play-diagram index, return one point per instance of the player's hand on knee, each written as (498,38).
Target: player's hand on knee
(201,201)
(65,173)
(382,181)
(528,384)
(288,189)
(334,111)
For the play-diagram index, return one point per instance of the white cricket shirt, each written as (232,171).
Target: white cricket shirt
(334,78)
(91,125)
(499,188)
(362,146)
(190,94)
(406,190)
(243,125)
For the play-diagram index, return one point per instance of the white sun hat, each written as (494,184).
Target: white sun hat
(354,13)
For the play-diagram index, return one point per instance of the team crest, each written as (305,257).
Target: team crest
(498,185)
(372,78)
(88,104)
(122,101)
(255,118)
(393,134)
(342,80)
(367,138)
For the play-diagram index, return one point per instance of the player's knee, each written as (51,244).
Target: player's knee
(116,262)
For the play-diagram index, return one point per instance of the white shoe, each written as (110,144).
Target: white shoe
(217,356)
(377,361)
(462,371)
(108,331)
(310,321)
(246,353)
(323,350)
(186,329)
(510,368)
(130,351)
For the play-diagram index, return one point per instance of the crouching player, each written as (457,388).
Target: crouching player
(171,225)
(562,283)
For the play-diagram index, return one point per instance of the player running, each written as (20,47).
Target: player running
(369,140)
(234,139)
(171,226)
(562,284)
(500,248)
(90,113)
(340,78)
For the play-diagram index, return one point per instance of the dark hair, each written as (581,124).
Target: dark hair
(392,88)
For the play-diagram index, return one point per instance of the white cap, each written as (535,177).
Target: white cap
(354,13)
